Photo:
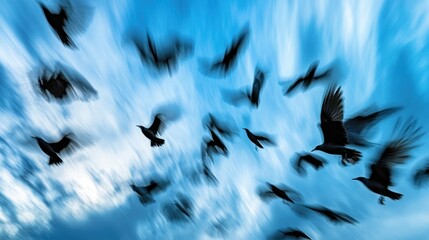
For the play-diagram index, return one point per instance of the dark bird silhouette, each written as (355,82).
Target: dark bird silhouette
(155,129)
(53,149)
(231,54)
(146,193)
(168,57)
(251,96)
(65,84)
(282,192)
(334,132)
(68,20)
(294,233)
(257,139)
(393,153)
(309,78)
(315,161)
(421,175)
(180,210)
(361,122)
(215,145)
(222,127)
(208,174)
(333,216)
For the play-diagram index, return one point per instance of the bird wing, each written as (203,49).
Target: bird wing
(312,70)
(152,47)
(65,142)
(331,118)
(298,81)
(157,125)
(258,83)
(361,121)
(421,176)
(395,152)
(325,74)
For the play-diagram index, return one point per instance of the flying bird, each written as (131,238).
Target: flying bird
(180,210)
(145,193)
(294,233)
(334,132)
(421,175)
(224,128)
(313,160)
(166,58)
(394,152)
(251,96)
(68,20)
(309,78)
(53,149)
(215,145)
(155,129)
(229,59)
(257,139)
(333,216)
(285,193)
(208,174)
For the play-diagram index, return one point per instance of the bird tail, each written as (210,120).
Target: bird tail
(350,156)
(394,195)
(158,142)
(55,160)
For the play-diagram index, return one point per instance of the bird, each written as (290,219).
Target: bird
(69,20)
(315,161)
(281,192)
(361,122)
(394,152)
(421,176)
(250,96)
(168,57)
(309,78)
(294,233)
(222,127)
(257,139)
(145,193)
(155,129)
(334,132)
(215,145)
(180,209)
(208,174)
(333,216)
(64,84)
(53,149)
(231,54)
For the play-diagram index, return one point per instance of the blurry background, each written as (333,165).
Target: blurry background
(383,49)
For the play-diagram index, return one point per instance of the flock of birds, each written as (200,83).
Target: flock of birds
(342,137)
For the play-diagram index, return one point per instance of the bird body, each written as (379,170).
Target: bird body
(152,131)
(53,149)
(255,139)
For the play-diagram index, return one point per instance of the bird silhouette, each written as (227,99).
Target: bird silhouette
(222,127)
(180,209)
(283,192)
(64,85)
(309,78)
(53,149)
(168,57)
(294,233)
(215,145)
(70,19)
(333,216)
(146,193)
(334,132)
(315,161)
(155,129)
(208,174)
(251,96)
(231,54)
(421,176)
(257,139)
(394,152)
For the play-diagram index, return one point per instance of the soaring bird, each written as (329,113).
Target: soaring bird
(421,175)
(294,233)
(315,161)
(156,128)
(65,84)
(257,139)
(334,132)
(168,57)
(309,78)
(333,216)
(281,192)
(68,20)
(250,96)
(224,128)
(231,54)
(180,210)
(146,192)
(53,149)
(395,152)
(216,145)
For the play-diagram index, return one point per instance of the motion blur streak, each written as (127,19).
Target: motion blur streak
(381,48)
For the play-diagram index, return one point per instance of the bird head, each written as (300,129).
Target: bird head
(245,129)
(140,126)
(317,148)
(359,179)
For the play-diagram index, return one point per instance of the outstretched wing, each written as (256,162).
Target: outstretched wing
(331,118)
(363,120)
(65,143)
(395,152)
(157,124)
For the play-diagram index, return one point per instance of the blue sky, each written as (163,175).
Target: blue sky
(381,46)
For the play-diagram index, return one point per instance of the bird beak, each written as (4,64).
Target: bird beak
(355,179)
(33,137)
(313,150)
